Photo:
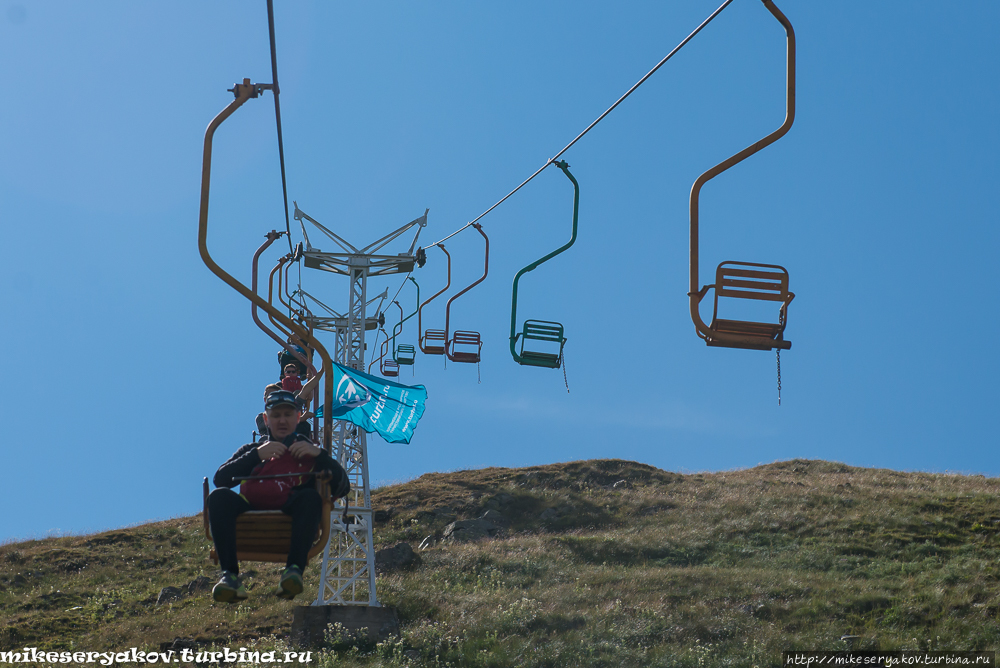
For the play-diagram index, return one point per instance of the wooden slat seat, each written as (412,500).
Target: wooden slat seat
(266,535)
(747,280)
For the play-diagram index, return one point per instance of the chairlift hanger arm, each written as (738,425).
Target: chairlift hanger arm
(270,292)
(376,343)
(420,309)
(486,271)
(271,237)
(291,337)
(517,277)
(283,282)
(244,92)
(397,328)
(415,308)
(695,294)
(417,305)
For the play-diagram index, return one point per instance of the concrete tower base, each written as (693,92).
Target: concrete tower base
(310,622)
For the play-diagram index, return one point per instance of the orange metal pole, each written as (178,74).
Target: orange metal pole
(695,295)
(244,92)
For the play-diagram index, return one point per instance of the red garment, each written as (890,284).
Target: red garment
(291,383)
(272,493)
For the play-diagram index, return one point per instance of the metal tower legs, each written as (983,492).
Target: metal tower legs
(347,574)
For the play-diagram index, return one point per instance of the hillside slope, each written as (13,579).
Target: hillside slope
(604,563)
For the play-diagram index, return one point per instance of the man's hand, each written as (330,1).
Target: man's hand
(270,450)
(304,449)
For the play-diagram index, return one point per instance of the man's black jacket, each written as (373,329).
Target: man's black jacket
(243,462)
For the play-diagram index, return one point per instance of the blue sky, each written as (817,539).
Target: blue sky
(130,371)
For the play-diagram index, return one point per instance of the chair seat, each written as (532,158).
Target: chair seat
(390,368)
(750,281)
(763,329)
(755,335)
(547,360)
(464,338)
(545,331)
(266,535)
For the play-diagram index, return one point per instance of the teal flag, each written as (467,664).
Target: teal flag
(376,404)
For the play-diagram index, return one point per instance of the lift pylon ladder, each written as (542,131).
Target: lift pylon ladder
(433,341)
(471,342)
(745,280)
(545,332)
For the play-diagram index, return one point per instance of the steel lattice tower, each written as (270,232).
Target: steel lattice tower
(347,574)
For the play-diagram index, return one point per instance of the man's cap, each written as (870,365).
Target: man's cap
(280,398)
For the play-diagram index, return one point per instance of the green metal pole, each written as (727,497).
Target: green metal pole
(561,164)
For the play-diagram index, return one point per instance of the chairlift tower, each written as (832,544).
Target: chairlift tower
(347,574)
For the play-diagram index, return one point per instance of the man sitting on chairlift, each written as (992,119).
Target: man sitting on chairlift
(284,451)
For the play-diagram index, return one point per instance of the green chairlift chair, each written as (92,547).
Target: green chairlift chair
(542,341)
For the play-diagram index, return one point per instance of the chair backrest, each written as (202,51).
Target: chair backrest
(433,335)
(542,330)
(746,280)
(462,338)
(405,353)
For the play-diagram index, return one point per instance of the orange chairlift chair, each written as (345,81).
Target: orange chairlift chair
(263,535)
(471,342)
(745,280)
(433,341)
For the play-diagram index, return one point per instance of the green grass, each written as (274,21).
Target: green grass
(726,569)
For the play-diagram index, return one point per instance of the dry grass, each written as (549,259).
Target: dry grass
(661,569)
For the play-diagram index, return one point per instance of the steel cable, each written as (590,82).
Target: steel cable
(277,117)
(591,126)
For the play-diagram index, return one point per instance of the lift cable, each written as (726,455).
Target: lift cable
(589,127)
(277,117)
(401,286)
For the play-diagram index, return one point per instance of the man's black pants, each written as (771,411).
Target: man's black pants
(225,505)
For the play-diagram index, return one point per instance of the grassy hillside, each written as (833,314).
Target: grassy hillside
(605,563)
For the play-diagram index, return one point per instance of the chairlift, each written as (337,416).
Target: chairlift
(263,535)
(404,353)
(266,535)
(471,342)
(383,348)
(546,338)
(433,341)
(389,367)
(745,280)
